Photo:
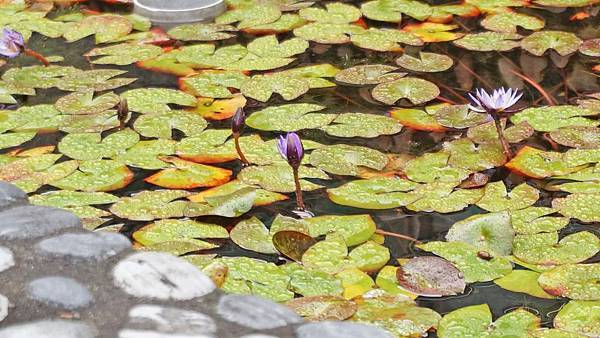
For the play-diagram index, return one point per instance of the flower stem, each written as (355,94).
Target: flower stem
(236,139)
(505,146)
(299,200)
(36,55)
(393,234)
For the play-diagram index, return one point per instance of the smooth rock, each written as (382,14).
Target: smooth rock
(31,221)
(60,292)
(11,196)
(3,307)
(7,259)
(332,329)
(255,312)
(258,336)
(50,329)
(153,334)
(90,246)
(162,276)
(170,320)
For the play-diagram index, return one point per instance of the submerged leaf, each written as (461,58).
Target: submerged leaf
(430,276)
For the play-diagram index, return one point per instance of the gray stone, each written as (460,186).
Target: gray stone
(162,276)
(6,258)
(91,246)
(331,329)
(60,292)
(169,320)
(31,221)
(255,312)
(3,307)
(11,196)
(153,334)
(50,329)
(258,336)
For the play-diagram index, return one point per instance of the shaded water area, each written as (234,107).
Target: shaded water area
(564,78)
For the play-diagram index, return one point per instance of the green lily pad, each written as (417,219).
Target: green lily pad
(95,80)
(523,281)
(257,14)
(416,90)
(8,140)
(202,32)
(8,89)
(292,244)
(280,178)
(309,282)
(579,316)
(459,116)
(263,197)
(290,117)
(533,220)
(213,83)
(367,74)
(384,40)
(551,118)
(489,41)
(426,62)
(269,46)
(83,103)
(233,204)
(496,198)
(362,125)
(124,54)
(465,257)
(188,175)
(546,249)
(564,43)
(355,282)
(160,125)
(433,32)
(317,308)
(381,11)
(370,256)
(146,154)
(156,100)
(387,281)
(575,281)
(343,159)
(581,206)
(37,76)
(577,137)
(335,12)
(178,230)
(375,193)
(417,119)
(261,87)
(252,235)
(432,167)
(465,154)
(590,47)
(553,333)
(477,320)
(151,205)
(285,23)
(491,233)
(68,198)
(329,256)
(507,22)
(206,56)
(97,175)
(30,172)
(105,27)
(327,33)
(91,146)
(536,163)
(430,276)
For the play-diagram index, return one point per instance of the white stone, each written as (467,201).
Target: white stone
(59,292)
(258,336)
(50,329)
(90,246)
(333,329)
(7,259)
(170,320)
(32,221)
(162,276)
(153,334)
(255,312)
(3,307)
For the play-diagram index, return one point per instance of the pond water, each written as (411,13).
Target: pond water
(545,80)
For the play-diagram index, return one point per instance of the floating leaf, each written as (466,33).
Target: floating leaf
(384,40)
(156,100)
(206,56)
(233,204)
(426,62)
(433,32)
(94,80)
(459,116)
(188,175)
(564,43)
(97,175)
(269,46)
(581,206)
(124,54)
(431,167)
(381,11)
(292,244)
(387,281)
(38,76)
(106,27)
(335,12)
(375,193)
(213,83)
(285,23)
(496,198)
(370,256)
(14,139)
(150,205)
(416,90)
(250,16)
(211,109)
(362,125)
(91,146)
(575,281)
(431,277)
(328,256)
(551,118)
(160,125)
(329,33)
(317,308)
(465,257)
(202,32)
(310,282)
(546,249)
(579,316)
(417,119)
(491,233)
(67,198)
(261,87)
(367,74)
(489,41)
(146,154)
(176,230)
(590,47)
(290,117)
(83,103)
(532,221)
(342,159)
(577,137)
(523,281)
(537,163)
(252,235)
(355,282)
(507,22)
(280,178)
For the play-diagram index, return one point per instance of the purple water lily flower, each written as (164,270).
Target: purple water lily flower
(500,100)
(238,122)
(291,149)
(11,43)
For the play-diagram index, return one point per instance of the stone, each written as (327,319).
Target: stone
(258,336)
(7,259)
(3,307)
(255,312)
(332,329)
(153,334)
(31,221)
(50,329)
(89,246)
(161,276)
(61,292)
(11,196)
(168,320)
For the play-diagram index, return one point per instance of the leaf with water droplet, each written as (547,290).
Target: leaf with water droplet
(491,233)
(523,281)
(317,308)
(430,276)
(546,249)
(575,281)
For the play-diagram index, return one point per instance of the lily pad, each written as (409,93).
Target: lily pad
(269,46)
(292,244)
(533,220)
(426,62)
(83,103)
(91,146)
(590,47)
(213,83)
(261,87)
(384,40)
(188,175)
(546,249)
(491,233)
(318,308)
(523,281)
(581,206)
(160,125)
(355,282)
(536,163)
(374,193)
(381,11)
(124,54)
(564,43)
(579,316)
(38,76)
(443,197)
(233,204)
(489,41)
(496,198)
(433,32)
(176,230)
(431,167)
(280,178)
(416,90)
(146,154)
(263,197)
(151,205)
(465,257)
(105,27)
(285,23)
(343,159)
(362,125)
(417,119)
(97,175)
(252,235)
(577,137)
(202,32)
(430,276)
(465,154)
(156,100)
(459,116)
(551,118)
(223,109)
(309,282)
(575,281)
(507,22)
(94,80)
(68,198)
(290,117)
(335,12)
(367,74)
(329,256)
(8,140)
(370,256)
(327,33)
(250,16)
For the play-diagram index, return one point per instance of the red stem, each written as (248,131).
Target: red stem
(36,55)
(393,234)
(535,85)
(236,140)
(299,199)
